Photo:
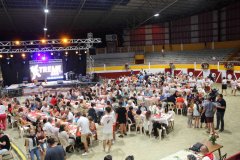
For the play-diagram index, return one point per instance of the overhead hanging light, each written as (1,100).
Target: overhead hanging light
(46,10)
(156,15)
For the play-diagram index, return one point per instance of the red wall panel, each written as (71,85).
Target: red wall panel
(190,71)
(158,34)
(177,72)
(230,74)
(137,36)
(217,75)
(198,73)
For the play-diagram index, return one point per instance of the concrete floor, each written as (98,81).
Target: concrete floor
(144,148)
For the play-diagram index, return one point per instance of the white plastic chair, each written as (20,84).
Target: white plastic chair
(129,124)
(160,133)
(139,124)
(147,127)
(179,107)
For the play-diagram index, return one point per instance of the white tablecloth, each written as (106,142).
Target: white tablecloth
(164,119)
(181,155)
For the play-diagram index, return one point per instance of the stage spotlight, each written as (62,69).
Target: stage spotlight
(1,56)
(85,52)
(53,42)
(43,58)
(17,42)
(45,29)
(39,54)
(23,55)
(66,53)
(76,52)
(52,54)
(31,42)
(43,41)
(46,10)
(65,40)
(156,15)
(11,55)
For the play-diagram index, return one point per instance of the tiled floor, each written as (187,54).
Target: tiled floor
(144,148)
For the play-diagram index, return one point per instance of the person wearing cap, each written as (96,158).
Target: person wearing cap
(4,143)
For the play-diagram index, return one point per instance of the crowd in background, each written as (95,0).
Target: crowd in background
(122,101)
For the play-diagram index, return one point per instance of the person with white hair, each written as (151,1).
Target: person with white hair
(206,154)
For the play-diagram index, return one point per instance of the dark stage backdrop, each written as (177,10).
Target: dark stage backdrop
(17,71)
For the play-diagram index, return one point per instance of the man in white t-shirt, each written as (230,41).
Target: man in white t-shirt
(107,121)
(70,116)
(48,127)
(83,122)
(45,108)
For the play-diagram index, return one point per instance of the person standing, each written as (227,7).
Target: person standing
(221,108)
(3,117)
(196,114)
(83,122)
(234,85)
(107,121)
(121,115)
(54,151)
(224,85)
(190,115)
(209,109)
(33,146)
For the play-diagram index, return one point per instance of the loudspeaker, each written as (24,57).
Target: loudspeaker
(92,51)
(60,82)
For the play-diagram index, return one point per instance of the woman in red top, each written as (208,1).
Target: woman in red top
(180,99)
(53,101)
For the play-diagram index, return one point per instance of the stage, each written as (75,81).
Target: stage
(25,89)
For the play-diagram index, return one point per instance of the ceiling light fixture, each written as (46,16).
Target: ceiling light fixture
(46,10)
(45,29)
(156,15)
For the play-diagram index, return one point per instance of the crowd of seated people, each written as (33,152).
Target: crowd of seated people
(136,99)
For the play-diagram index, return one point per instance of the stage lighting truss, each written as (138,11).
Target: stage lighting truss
(45,45)
(49,42)
(44,49)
